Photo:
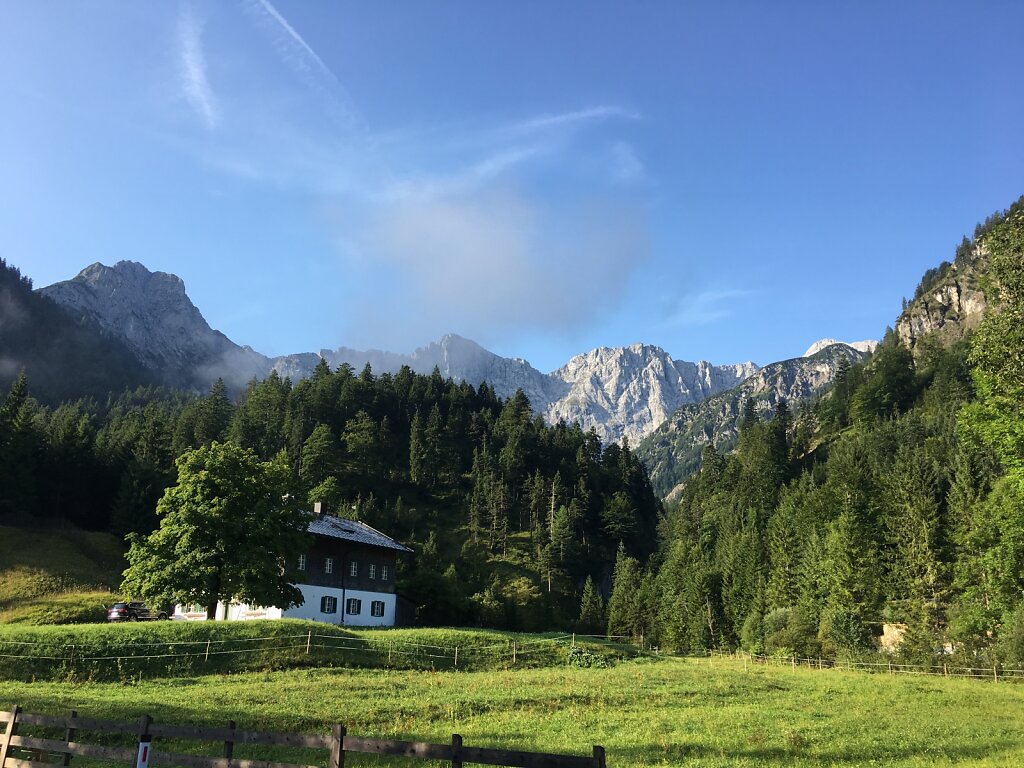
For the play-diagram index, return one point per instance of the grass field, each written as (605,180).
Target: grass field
(61,576)
(645,713)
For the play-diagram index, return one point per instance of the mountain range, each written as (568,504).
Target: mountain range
(639,392)
(620,392)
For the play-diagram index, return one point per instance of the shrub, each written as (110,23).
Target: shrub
(581,657)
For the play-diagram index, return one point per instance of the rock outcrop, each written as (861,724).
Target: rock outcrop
(948,306)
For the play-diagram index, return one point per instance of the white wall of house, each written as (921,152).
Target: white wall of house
(310,609)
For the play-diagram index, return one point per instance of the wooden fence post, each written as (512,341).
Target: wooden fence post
(69,736)
(229,746)
(456,657)
(206,658)
(5,742)
(995,673)
(456,751)
(145,742)
(309,641)
(513,653)
(337,747)
(598,757)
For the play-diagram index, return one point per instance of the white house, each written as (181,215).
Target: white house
(347,576)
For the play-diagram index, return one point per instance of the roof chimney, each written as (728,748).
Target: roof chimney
(318,508)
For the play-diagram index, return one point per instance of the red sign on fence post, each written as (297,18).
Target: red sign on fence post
(142,761)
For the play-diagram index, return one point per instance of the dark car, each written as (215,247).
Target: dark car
(133,612)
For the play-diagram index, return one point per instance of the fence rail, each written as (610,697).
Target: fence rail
(32,748)
(995,673)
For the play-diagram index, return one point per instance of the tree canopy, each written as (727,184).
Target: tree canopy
(228,531)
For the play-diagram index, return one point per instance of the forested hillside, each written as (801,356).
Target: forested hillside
(508,517)
(898,498)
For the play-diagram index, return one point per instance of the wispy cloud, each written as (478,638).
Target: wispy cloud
(704,308)
(626,165)
(590,114)
(493,262)
(481,226)
(195,83)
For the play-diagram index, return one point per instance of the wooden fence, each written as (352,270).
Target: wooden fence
(23,751)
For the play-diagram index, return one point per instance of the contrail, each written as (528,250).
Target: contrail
(270,9)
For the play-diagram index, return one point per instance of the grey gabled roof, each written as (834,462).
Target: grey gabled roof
(353,530)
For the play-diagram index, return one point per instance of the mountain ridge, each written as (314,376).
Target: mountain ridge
(673,451)
(622,392)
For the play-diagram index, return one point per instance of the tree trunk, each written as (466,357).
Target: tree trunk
(211,608)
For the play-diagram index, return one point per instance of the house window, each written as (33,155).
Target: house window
(328,604)
(371,571)
(384,573)
(377,608)
(353,568)
(302,562)
(353,606)
(329,565)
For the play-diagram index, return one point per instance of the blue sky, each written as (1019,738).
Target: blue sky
(729,181)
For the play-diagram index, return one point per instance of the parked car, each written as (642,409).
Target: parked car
(133,612)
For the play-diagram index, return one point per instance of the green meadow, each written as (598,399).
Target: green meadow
(645,712)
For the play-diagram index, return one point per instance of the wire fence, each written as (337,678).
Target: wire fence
(995,673)
(21,659)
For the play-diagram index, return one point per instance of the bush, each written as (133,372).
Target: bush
(581,657)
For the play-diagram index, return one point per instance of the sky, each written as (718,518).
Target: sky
(729,181)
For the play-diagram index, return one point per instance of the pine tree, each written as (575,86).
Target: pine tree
(624,609)
(592,618)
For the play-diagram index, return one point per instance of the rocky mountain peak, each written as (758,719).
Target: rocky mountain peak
(866,346)
(630,391)
(154,317)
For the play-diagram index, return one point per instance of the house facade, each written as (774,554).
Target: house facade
(347,577)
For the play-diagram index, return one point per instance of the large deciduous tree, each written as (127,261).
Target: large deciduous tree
(228,531)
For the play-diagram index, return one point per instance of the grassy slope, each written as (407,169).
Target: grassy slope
(146,650)
(57,576)
(669,712)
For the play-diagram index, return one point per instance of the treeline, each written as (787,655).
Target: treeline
(508,517)
(897,499)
